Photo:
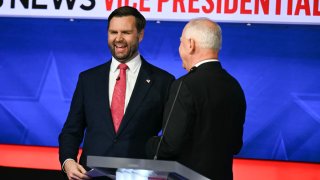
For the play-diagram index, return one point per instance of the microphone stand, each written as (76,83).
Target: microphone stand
(165,126)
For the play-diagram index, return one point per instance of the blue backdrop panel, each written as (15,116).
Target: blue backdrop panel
(277,65)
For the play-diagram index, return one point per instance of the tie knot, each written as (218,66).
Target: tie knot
(123,66)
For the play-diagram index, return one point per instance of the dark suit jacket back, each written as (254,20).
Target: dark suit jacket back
(206,125)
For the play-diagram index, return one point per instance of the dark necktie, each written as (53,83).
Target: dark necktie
(118,97)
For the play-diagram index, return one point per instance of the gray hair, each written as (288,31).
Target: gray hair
(207,36)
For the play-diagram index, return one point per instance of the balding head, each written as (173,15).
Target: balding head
(200,40)
(205,32)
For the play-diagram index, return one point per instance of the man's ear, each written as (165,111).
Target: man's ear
(191,46)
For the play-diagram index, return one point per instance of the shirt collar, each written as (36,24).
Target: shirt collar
(205,61)
(133,64)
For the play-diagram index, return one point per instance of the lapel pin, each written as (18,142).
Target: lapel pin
(148,80)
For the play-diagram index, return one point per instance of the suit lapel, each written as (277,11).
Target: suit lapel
(104,91)
(141,88)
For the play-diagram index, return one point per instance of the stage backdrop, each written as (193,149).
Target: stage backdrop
(278,66)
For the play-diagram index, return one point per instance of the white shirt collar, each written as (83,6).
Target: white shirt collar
(133,64)
(205,61)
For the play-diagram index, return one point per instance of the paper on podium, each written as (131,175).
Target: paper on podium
(97,173)
(139,174)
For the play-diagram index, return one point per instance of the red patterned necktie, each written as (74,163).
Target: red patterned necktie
(118,97)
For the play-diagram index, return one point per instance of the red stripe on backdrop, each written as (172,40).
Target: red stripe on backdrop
(39,157)
(250,169)
(36,157)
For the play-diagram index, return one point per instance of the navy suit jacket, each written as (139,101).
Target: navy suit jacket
(89,119)
(205,127)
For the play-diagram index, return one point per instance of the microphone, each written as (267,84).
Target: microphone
(118,78)
(168,118)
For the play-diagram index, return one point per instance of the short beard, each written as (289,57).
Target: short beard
(133,51)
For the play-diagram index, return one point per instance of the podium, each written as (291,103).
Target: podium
(144,169)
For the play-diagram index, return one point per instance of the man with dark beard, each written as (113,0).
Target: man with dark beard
(117,106)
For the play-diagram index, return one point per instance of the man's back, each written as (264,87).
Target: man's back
(214,106)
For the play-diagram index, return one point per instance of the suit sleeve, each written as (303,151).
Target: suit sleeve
(72,132)
(175,133)
(239,119)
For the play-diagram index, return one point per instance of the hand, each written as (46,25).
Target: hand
(75,171)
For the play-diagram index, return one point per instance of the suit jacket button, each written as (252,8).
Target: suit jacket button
(115,140)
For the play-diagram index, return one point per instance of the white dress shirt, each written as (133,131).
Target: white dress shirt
(131,77)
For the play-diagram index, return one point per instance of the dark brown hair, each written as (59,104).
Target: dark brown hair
(129,11)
